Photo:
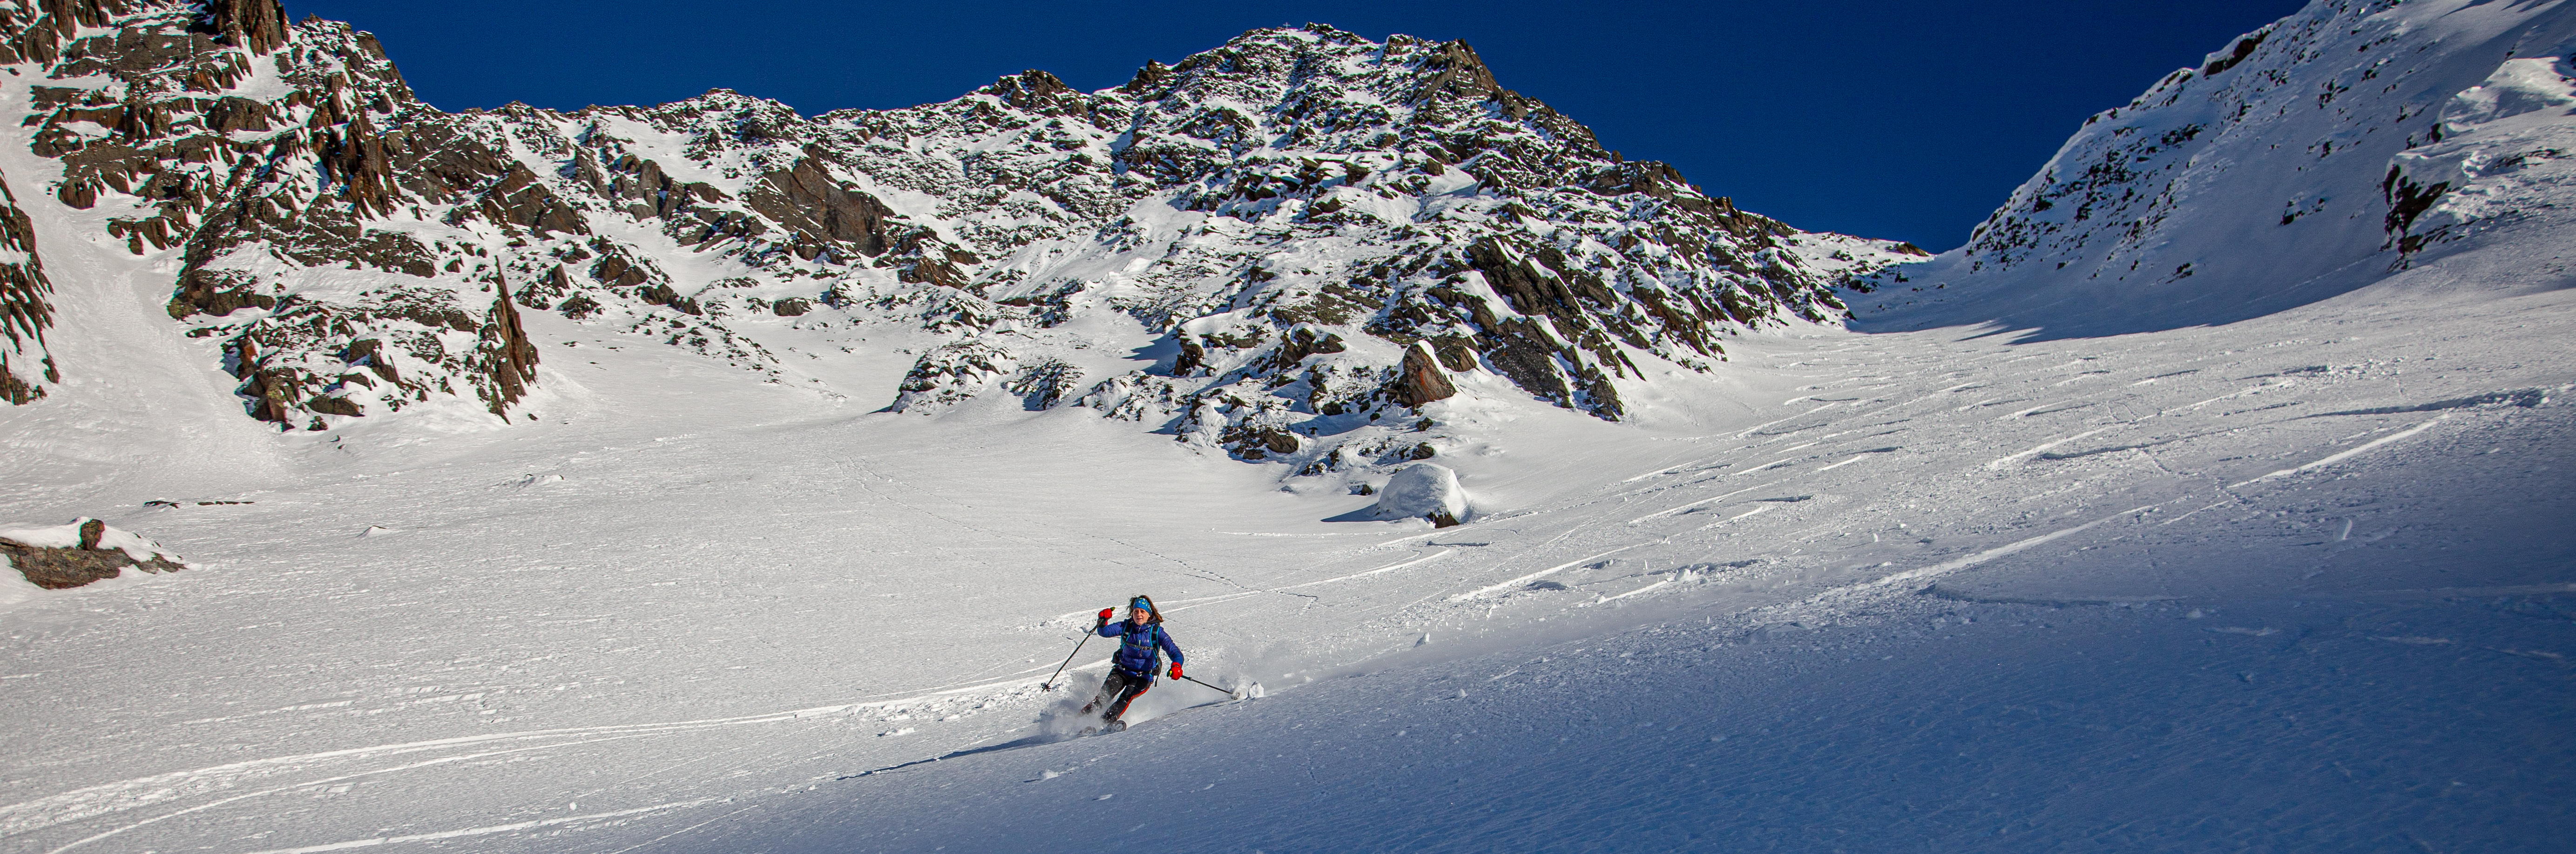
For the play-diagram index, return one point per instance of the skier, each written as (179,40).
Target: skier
(1141,644)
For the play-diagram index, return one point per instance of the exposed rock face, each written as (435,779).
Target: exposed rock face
(26,307)
(1293,211)
(66,556)
(1419,380)
(820,211)
(259,25)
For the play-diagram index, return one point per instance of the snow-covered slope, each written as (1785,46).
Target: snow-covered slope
(2331,150)
(2295,582)
(2298,581)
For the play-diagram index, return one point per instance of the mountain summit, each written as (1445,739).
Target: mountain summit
(1288,236)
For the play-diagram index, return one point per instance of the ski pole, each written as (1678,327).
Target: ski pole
(1049,685)
(1212,687)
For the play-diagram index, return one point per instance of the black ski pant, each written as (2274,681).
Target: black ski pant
(1120,689)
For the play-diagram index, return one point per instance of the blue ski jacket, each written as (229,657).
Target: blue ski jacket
(1140,647)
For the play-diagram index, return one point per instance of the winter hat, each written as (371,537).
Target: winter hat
(1140,602)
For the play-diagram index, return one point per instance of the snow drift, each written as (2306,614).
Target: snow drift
(1423,491)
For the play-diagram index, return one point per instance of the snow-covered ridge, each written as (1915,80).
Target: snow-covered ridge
(1276,222)
(2319,154)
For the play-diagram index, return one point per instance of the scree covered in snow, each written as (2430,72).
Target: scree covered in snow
(2273,557)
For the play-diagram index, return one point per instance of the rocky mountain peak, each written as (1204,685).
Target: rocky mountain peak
(1288,216)
(1032,90)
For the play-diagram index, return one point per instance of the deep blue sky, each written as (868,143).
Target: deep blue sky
(1906,120)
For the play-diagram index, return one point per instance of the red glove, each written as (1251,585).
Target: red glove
(1176,670)
(1104,615)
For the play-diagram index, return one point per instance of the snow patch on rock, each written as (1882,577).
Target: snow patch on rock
(2502,159)
(87,533)
(56,557)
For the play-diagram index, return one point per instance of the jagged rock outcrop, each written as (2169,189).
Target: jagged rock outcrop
(1291,212)
(1419,379)
(59,557)
(513,358)
(258,25)
(26,306)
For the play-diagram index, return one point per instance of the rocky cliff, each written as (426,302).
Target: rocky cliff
(1286,216)
(26,308)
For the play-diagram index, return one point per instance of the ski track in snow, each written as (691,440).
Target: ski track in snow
(2040,448)
(130,794)
(1949,566)
(485,831)
(1516,582)
(2331,460)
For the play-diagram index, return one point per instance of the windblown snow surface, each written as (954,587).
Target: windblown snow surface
(2298,582)
(2301,582)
